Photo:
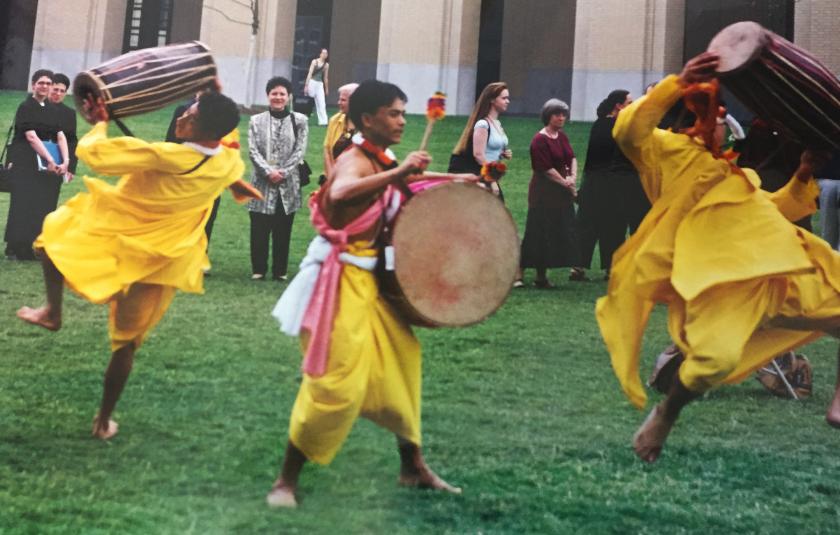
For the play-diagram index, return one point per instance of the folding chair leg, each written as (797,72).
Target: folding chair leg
(784,379)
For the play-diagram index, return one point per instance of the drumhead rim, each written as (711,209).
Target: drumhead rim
(497,305)
(732,40)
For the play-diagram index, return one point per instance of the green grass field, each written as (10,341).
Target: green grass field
(522,411)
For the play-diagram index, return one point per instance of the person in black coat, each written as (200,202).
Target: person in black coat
(611,199)
(66,119)
(36,173)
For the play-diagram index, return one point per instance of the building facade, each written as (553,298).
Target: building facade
(576,50)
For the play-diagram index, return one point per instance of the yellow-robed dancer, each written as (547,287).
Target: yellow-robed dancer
(741,282)
(361,357)
(133,244)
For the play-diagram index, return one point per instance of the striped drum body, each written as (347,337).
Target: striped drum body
(781,83)
(146,80)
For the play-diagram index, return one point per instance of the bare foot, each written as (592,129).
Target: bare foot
(832,416)
(104,432)
(651,436)
(424,478)
(281,496)
(42,317)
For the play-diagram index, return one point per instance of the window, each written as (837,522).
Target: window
(147,24)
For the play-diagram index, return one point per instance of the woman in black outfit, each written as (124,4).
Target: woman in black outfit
(34,192)
(611,199)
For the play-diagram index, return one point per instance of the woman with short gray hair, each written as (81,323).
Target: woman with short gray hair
(550,239)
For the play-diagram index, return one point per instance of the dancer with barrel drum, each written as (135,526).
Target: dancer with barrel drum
(134,244)
(361,357)
(741,282)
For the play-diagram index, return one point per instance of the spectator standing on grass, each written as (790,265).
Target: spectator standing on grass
(483,139)
(339,130)
(611,199)
(37,172)
(66,119)
(276,145)
(550,240)
(317,84)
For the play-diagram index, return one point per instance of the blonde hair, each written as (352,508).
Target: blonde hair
(480,111)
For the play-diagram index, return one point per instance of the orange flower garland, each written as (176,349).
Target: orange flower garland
(435,110)
(493,171)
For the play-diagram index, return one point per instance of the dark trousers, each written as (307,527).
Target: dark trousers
(277,227)
(208,227)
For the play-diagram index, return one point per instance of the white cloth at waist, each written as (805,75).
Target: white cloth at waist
(291,307)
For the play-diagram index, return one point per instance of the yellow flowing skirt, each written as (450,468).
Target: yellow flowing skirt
(374,370)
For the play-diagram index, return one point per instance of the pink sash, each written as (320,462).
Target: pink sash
(320,313)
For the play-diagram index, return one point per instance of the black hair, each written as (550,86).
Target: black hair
(59,78)
(618,96)
(41,72)
(217,115)
(370,96)
(278,80)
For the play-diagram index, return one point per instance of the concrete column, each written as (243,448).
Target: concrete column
(538,39)
(429,46)
(817,29)
(623,44)
(86,35)
(226,29)
(354,43)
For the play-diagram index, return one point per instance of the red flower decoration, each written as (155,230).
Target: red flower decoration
(436,106)
(493,171)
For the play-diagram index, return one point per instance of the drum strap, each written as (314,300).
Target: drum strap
(196,166)
(121,125)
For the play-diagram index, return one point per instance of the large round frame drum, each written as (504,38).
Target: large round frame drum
(781,83)
(455,256)
(146,80)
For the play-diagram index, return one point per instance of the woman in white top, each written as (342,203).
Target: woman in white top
(483,139)
(317,84)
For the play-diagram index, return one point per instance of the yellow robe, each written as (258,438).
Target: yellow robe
(374,370)
(720,252)
(147,228)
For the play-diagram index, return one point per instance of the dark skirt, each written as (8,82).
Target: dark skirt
(33,195)
(550,238)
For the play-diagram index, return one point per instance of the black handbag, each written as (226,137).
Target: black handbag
(304,104)
(304,171)
(5,167)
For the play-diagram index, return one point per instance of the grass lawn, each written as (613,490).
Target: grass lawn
(522,411)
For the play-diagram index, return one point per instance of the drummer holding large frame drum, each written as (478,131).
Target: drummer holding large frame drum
(361,356)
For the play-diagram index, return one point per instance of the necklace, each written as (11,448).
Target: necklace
(385,157)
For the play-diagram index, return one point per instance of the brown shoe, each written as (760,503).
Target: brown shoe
(544,284)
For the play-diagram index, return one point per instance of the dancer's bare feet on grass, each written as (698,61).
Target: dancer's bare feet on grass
(652,434)
(281,495)
(42,316)
(104,431)
(424,478)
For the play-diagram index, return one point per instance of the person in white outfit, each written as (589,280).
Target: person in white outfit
(317,84)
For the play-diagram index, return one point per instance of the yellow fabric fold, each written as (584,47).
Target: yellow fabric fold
(373,370)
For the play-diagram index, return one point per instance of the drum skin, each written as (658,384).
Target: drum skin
(781,83)
(456,253)
(147,79)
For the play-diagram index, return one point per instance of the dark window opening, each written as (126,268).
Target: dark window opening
(148,23)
